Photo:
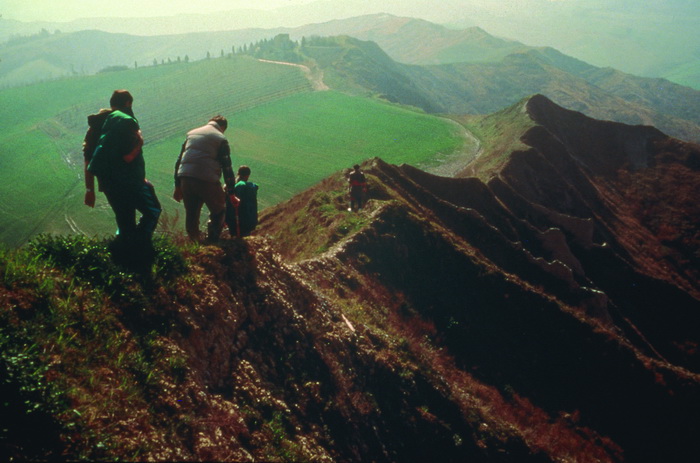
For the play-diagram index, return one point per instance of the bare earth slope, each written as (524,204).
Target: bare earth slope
(569,277)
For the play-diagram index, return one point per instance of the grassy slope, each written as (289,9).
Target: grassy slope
(499,135)
(42,127)
(686,74)
(290,136)
(295,142)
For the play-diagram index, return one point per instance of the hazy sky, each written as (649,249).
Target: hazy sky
(66,10)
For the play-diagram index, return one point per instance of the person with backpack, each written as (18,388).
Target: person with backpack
(243,218)
(95,123)
(204,157)
(358,188)
(113,153)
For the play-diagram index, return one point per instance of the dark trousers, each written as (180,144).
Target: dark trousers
(196,193)
(125,201)
(356,198)
(241,220)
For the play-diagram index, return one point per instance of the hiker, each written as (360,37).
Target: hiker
(204,156)
(113,153)
(243,219)
(358,188)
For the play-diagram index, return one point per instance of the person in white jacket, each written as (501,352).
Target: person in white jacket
(204,156)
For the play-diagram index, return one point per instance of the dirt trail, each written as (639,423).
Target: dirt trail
(73,225)
(315,77)
(454,163)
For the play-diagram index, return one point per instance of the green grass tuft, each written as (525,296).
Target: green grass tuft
(80,339)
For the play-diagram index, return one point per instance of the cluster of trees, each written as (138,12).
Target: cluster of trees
(280,48)
(113,69)
(136,64)
(169,61)
(316,41)
(20,39)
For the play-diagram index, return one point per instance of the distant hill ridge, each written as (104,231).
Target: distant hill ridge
(482,88)
(360,66)
(653,38)
(449,71)
(416,41)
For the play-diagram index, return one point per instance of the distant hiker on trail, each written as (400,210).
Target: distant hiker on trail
(243,219)
(204,156)
(358,188)
(113,153)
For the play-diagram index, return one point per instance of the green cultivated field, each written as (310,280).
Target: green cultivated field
(687,74)
(290,136)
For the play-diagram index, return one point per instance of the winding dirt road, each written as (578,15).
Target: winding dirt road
(316,78)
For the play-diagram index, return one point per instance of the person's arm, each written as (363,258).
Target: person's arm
(177,194)
(137,145)
(88,148)
(89,199)
(224,157)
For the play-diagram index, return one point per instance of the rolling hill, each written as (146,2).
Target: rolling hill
(650,38)
(50,55)
(482,88)
(643,38)
(453,71)
(416,41)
